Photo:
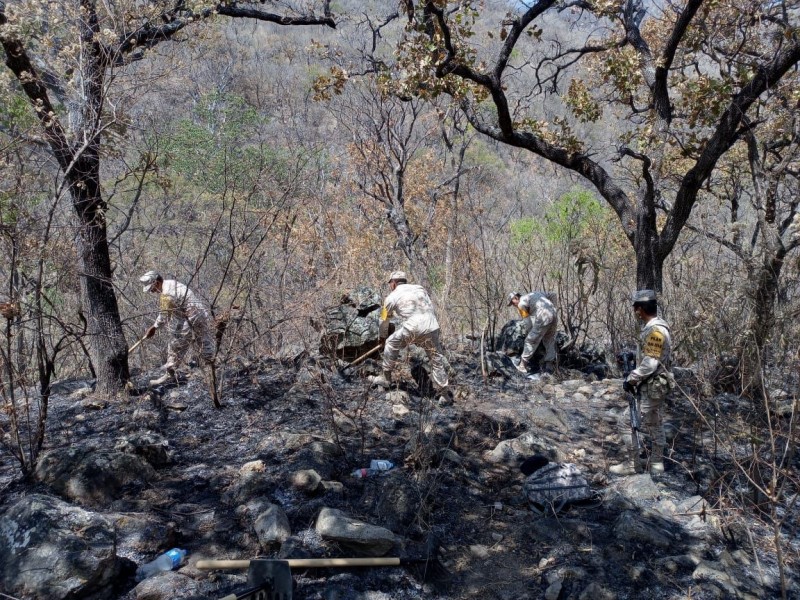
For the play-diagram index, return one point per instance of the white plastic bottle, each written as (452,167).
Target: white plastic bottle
(168,561)
(381,465)
(362,473)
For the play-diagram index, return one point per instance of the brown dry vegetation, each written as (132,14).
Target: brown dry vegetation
(221,169)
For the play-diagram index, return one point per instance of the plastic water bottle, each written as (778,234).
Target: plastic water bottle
(375,467)
(362,473)
(381,465)
(171,559)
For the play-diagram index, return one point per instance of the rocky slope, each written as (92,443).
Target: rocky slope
(270,475)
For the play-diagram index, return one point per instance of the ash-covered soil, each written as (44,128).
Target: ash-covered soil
(448,492)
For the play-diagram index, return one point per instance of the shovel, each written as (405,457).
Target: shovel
(266,580)
(136,345)
(436,570)
(346,371)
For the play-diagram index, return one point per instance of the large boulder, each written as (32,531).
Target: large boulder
(92,476)
(51,549)
(351,328)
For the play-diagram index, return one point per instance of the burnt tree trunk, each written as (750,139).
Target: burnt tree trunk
(107,346)
(79,161)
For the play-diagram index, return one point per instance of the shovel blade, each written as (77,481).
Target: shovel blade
(275,573)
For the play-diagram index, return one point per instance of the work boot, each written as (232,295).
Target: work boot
(522,366)
(169,375)
(627,467)
(384,380)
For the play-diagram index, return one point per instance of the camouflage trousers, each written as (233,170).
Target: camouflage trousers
(429,342)
(194,328)
(542,331)
(651,401)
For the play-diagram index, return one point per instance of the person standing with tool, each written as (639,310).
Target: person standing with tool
(412,305)
(650,382)
(541,321)
(189,320)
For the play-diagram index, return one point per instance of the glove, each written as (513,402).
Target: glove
(150,333)
(627,386)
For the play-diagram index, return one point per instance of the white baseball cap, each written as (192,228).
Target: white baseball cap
(148,279)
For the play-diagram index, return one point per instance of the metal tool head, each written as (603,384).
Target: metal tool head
(276,573)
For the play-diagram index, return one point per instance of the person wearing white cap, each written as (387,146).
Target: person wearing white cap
(539,313)
(653,380)
(188,318)
(412,305)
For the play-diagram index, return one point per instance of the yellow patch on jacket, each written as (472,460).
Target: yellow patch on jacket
(654,344)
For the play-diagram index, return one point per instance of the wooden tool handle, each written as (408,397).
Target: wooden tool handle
(365,356)
(136,345)
(305,563)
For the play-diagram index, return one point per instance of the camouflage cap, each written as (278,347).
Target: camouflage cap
(511,297)
(397,276)
(643,296)
(149,279)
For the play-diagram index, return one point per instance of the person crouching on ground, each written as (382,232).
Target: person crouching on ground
(541,321)
(188,318)
(412,305)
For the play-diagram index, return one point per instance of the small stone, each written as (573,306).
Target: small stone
(307,481)
(399,411)
(553,591)
(479,551)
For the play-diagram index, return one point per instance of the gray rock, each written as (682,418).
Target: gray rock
(307,481)
(511,451)
(553,591)
(248,485)
(344,423)
(91,476)
(645,528)
(639,489)
(368,540)
(139,532)
(595,591)
(325,448)
(51,549)
(351,329)
(272,526)
(715,573)
(397,397)
(147,444)
(166,586)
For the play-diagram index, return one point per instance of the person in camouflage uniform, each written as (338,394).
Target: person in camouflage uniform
(541,320)
(412,305)
(188,318)
(653,380)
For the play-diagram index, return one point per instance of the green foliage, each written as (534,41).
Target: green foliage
(524,231)
(8,210)
(481,155)
(572,215)
(16,113)
(219,147)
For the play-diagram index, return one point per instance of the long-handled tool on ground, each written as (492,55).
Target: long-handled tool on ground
(344,371)
(273,576)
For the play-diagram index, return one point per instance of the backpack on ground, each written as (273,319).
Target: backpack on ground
(555,486)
